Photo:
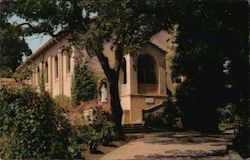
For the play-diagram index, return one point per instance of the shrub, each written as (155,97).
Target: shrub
(106,134)
(228,117)
(165,116)
(33,127)
(97,131)
(242,140)
(86,135)
(63,102)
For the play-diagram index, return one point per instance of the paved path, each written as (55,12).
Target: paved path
(173,146)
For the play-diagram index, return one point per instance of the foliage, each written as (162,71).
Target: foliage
(96,131)
(228,117)
(84,85)
(212,53)
(63,101)
(242,140)
(20,76)
(102,123)
(12,47)
(166,116)
(32,126)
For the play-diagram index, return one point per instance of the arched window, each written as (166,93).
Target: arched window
(38,75)
(146,69)
(124,71)
(46,75)
(56,67)
(68,60)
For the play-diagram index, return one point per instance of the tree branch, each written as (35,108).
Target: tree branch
(26,23)
(105,64)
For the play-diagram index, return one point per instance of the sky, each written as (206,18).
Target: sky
(34,41)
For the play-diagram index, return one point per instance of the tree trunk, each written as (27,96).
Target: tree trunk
(113,78)
(116,105)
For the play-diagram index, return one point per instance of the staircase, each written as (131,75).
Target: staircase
(137,128)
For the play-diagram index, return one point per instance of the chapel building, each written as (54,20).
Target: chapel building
(145,79)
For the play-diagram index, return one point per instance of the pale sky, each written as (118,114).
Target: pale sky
(34,41)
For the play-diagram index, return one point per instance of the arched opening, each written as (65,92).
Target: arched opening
(68,60)
(56,67)
(124,71)
(46,75)
(146,70)
(37,76)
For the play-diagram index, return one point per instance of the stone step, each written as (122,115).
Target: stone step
(137,129)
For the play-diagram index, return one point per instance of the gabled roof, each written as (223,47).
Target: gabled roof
(41,50)
(51,42)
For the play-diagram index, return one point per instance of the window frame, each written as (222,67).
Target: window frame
(56,67)
(146,69)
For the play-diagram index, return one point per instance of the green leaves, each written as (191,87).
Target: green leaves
(84,85)
(32,125)
(211,34)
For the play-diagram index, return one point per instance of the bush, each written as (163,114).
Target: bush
(96,131)
(32,126)
(106,134)
(242,139)
(166,116)
(228,117)
(63,102)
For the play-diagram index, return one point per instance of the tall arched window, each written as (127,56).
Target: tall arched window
(56,67)
(38,76)
(68,60)
(146,69)
(124,71)
(46,75)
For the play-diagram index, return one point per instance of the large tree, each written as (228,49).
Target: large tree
(213,54)
(126,24)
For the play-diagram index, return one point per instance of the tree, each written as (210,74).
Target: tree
(12,48)
(212,53)
(126,24)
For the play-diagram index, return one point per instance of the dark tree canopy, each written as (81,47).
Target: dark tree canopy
(213,54)
(12,48)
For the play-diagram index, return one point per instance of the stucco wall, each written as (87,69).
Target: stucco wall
(60,85)
(138,103)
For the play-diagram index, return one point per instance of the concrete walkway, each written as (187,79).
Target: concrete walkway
(174,146)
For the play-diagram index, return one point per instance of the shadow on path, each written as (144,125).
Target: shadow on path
(188,155)
(186,138)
